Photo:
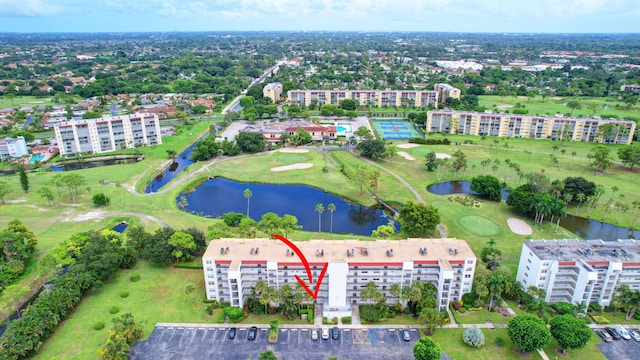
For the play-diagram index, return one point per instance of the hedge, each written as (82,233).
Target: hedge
(188,265)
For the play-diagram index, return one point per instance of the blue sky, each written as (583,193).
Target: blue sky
(541,16)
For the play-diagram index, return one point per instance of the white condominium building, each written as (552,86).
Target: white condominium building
(377,98)
(530,126)
(233,266)
(13,148)
(577,271)
(109,133)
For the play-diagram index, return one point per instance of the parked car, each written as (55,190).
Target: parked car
(604,335)
(232,333)
(635,334)
(614,334)
(335,333)
(253,332)
(406,336)
(325,333)
(624,333)
(314,334)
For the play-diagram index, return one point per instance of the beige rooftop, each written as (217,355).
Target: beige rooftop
(336,250)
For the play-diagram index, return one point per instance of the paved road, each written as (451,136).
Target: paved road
(28,121)
(261,79)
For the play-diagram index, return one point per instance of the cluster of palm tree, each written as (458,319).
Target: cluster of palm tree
(285,299)
(320,209)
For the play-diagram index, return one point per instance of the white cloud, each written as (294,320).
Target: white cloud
(28,8)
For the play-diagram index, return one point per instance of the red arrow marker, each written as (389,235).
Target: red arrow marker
(314,293)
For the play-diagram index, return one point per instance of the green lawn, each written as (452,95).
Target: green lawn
(19,101)
(480,317)
(451,342)
(555,105)
(617,318)
(159,296)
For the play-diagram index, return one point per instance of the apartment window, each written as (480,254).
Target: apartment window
(208,261)
(544,271)
(529,261)
(542,278)
(212,282)
(209,269)
(528,267)
(467,276)
(526,275)
(355,287)
(470,262)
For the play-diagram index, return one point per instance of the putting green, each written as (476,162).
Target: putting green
(479,225)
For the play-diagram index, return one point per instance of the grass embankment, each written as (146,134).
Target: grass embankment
(159,296)
(558,105)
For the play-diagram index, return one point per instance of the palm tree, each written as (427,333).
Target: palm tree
(320,210)
(581,197)
(331,207)
(247,194)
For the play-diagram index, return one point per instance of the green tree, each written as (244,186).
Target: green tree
(371,292)
(331,207)
(182,244)
(418,220)
(100,199)
(432,161)
(600,158)
(319,209)
(459,162)
(24,179)
(628,300)
(46,193)
(573,104)
(383,231)
(247,195)
(528,332)
(125,332)
(363,133)
(247,102)
(372,149)
(487,186)
(629,155)
(251,142)
(5,188)
(570,332)
(270,223)
(267,355)
(300,137)
(426,349)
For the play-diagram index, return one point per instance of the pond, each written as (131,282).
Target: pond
(457,187)
(181,161)
(582,227)
(219,195)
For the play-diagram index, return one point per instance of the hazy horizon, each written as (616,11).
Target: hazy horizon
(463,16)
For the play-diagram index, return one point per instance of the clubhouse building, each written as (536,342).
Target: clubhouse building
(377,98)
(109,133)
(233,266)
(530,126)
(577,271)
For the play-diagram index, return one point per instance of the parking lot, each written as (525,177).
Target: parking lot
(176,342)
(620,349)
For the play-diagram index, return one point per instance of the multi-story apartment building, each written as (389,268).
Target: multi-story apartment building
(13,148)
(272,91)
(577,271)
(109,133)
(447,91)
(377,98)
(233,266)
(530,126)
(630,88)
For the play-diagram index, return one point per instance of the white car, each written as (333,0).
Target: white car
(635,334)
(624,333)
(325,333)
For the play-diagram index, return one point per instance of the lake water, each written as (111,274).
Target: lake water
(582,227)
(170,172)
(218,196)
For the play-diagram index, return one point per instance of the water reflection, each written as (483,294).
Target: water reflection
(218,196)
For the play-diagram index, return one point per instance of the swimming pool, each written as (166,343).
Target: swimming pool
(343,129)
(36,157)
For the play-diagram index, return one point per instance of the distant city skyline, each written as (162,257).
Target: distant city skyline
(510,16)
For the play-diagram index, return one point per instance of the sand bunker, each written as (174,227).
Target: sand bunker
(519,227)
(292,167)
(289,150)
(442,156)
(408,146)
(405,155)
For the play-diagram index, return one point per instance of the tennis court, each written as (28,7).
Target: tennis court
(395,130)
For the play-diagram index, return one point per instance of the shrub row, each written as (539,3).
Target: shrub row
(188,265)
(443,141)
